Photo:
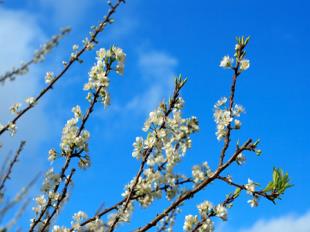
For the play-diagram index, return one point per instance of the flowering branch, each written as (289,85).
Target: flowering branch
(134,197)
(63,195)
(74,139)
(189,194)
(88,45)
(179,83)
(237,69)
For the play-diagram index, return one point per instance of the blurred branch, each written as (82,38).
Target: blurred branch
(38,57)
(11,166)
(17,216)
(18,197)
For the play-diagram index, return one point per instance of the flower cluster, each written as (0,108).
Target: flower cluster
(166,143)
(77,220)
(30,100)
(242,64)
(72,137)
(201,172)
(221,212)
(250,187)
(15,109)
(51,179)
(124,213)
(49,77)
(223,117)
(98,75)
(190,222)
(40,203)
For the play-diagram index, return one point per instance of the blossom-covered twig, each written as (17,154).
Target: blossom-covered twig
(240,53)
(88,45)
(61,198)
(190,193)
(38,57)
(74,139)
(134,197)
(168,221)
(178,86)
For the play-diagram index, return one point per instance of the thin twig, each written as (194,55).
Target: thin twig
(59,201)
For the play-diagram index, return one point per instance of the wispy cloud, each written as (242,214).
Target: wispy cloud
(288,223)
(158,70)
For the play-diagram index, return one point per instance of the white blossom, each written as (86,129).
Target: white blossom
(77,219)
(12,128)
(14,109)
(49,77)
(240,159)
(244,64)
(30,100)
(253,202)
(204,208)
(221,212)
(75,47)
(190,222)
(250,186)
(226,62)
(52,154)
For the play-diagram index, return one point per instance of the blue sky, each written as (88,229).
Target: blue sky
(163,39)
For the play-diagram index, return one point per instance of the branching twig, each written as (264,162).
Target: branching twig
(135,197)
(189,194)
(71,154)
(59,201)
(146,155)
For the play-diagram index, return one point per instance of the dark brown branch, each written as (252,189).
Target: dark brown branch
(135,197)
(189,194)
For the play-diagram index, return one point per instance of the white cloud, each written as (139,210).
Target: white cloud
(288,223)
(158,71)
